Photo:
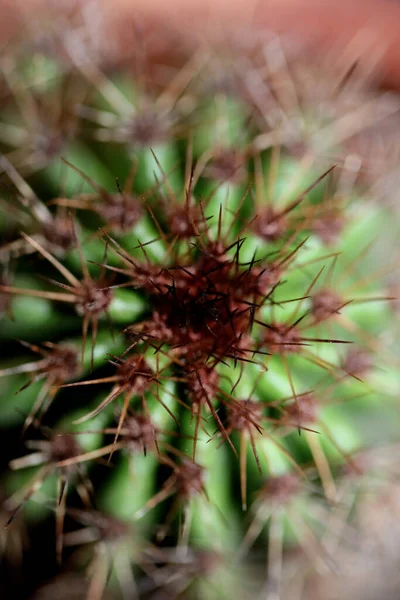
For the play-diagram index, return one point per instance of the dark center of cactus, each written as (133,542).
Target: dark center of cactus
(198,314)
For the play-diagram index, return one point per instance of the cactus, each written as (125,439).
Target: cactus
(193,323)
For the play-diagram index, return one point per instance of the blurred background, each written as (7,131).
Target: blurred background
(318,23)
